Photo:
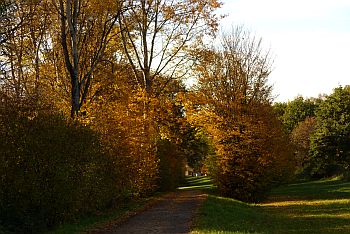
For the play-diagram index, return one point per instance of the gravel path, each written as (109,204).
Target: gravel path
(172,214)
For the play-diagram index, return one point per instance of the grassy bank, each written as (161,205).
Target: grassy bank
(203,183)
(311,207)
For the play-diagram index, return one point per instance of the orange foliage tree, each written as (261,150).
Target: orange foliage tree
(232,102)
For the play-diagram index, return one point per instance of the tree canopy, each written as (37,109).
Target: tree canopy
(330,148)
(232,102)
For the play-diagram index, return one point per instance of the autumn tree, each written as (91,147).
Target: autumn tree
(85,30)
(232,102)
(9,21)
(21,54)
(156,36)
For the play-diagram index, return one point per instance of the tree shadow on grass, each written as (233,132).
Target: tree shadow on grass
(314,190)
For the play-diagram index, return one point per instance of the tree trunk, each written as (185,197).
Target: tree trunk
(75,106)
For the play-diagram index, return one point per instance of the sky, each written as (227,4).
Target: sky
(309,40)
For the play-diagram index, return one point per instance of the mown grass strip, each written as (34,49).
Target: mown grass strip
(311,207)
(204,183)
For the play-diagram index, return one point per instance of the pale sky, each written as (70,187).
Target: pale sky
(310,41)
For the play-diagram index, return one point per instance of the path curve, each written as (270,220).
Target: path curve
(172,214)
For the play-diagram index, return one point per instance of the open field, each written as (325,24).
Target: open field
(311,207)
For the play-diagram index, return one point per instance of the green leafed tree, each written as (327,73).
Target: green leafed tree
(330,144)
(297,111)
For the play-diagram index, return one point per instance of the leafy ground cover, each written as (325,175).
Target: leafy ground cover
(309,207)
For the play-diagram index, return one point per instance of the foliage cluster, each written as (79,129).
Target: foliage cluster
(330,148)
(251,155)
(171,164)
(296,111)
(319,132)
(55,169)
(298,119)
(232,103)
(300,138)
(52,170)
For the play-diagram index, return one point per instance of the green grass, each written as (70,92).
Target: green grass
(311,207)
(204,183)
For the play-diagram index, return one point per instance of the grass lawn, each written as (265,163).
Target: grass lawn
(312,207)
(203,183)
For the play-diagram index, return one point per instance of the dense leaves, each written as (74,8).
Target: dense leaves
(51,170)
(252,157)
(296,111)
(300,137)
(232,103)
(330,148)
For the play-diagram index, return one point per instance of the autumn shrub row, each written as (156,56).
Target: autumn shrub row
(53,170)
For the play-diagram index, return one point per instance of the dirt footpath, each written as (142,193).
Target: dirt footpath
(172,214)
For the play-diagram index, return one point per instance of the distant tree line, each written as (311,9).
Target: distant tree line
(319,130)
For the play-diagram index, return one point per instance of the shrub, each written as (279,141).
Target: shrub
(51,170)
(253,155)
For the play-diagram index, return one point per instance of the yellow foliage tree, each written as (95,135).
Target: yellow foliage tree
(232,102)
